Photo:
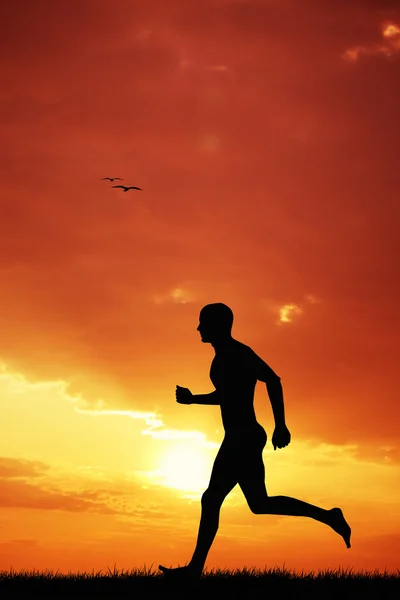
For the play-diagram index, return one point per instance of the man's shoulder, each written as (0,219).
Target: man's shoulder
(245,352)
(245,348)
(251,358)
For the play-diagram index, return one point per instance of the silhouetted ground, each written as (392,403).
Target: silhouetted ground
(244,584)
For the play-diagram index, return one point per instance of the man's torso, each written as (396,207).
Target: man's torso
(233,375)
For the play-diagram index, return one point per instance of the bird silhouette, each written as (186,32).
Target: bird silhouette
(127,188)
(111,178)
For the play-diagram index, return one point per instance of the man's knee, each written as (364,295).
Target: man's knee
(259,506)
(212,497)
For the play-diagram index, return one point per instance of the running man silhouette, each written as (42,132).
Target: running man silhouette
(235,370)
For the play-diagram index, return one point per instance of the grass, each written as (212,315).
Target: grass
(221,583)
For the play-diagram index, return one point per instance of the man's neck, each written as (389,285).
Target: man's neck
(223,343)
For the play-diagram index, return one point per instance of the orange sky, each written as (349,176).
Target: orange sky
(265,136)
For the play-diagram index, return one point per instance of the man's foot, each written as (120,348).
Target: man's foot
(181,572)
(340,525)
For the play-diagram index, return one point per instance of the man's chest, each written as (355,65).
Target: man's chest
(229,370)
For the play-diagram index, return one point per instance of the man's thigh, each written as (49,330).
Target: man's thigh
(225,471)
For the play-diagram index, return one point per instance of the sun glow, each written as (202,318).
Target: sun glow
(185,468)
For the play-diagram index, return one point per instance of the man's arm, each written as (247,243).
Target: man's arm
(275,393)
(281,436)
(184,396)
(211,398)
(274,388)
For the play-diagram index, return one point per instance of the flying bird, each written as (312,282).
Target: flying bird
(111,178)
(127,188)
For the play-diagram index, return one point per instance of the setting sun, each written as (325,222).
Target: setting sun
(185,468)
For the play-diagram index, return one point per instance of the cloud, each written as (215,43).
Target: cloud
(177,295)
(14,468)
(312,299)
(291,312)
(79,490)
(391,31)
(24,542)
(200,68)
(389,47)
(288,312)
(219,69)
(18,384)
(210,142)
(155,426)
(383,454)
(19,494)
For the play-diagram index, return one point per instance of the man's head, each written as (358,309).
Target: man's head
(215,322)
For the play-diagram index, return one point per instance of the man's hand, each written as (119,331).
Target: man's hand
(183,395)
(280,437)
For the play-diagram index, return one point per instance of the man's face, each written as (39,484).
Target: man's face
(206,329)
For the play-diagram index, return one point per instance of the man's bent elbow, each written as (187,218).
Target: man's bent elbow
(274,382)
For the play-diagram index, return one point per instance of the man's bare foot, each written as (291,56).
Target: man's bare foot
(340,525)
(178,572)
